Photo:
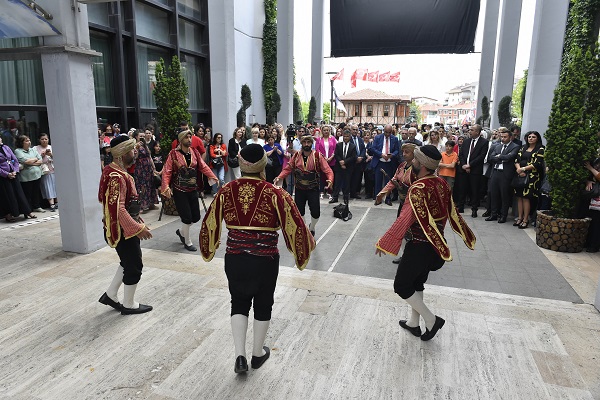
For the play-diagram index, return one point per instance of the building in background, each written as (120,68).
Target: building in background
(462,93)
(380,108)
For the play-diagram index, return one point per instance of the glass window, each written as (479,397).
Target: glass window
(98,14)
(102,68)
(22,82)
(148,57)
(190,7)
(151,22)
(356,110)
(190,36)
(8,43)
(192,69)
(386,110)
(369,110)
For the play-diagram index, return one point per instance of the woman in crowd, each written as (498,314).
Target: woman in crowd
(48,184)
(12,199)
(208,132)
(593,239)
(108,133)
(530,161)
(326,146)
(157,160)
(31,174)
(255,139)
(275,133)
(275,158)
(236,144)
(106,156)
(144,173)
(262,133)
(218,155)
(434,140)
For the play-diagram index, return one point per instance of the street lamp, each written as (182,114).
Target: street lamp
(331,114)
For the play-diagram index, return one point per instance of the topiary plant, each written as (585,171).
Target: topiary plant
(504,115)
(275,108)
(485,111)
(573,123)
(269,52)
(312,110)
(246,98)
(297,109)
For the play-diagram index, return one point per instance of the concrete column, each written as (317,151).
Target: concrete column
(597,301)
(510,19)
(544,62)
(316,76)
(488,52)
(285,60)
(71,105)
(224,95)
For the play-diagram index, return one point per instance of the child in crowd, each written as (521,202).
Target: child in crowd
(447,169)
(106,157)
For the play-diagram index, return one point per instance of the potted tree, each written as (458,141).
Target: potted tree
(572,131)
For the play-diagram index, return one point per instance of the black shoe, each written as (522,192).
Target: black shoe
(501,220)
(461,210)
(388,202)
(140,310)
(486,214)
(191,247)
(257,362)
(416,331)
(104,299)
(491,218)
(397,260)
(333,200)
(429,334)
(474,213)
(180,237)
(241,365)
(312,233)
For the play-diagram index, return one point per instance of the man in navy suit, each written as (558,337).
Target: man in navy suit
(385,151)
(345,163)
(502,162)
(470,157)
(356,179)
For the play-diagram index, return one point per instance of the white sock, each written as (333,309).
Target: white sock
(113,289)
(260,334)
(128,295)
(413,322)
(239,326)
(313,223)
(416,302)
(185,232)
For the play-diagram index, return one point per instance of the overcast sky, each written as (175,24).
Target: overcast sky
(428,75)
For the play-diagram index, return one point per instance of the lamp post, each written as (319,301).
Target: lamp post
(331,114)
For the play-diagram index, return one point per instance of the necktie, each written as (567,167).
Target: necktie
(503,148)
(472,145)
(387,145)
(345,149)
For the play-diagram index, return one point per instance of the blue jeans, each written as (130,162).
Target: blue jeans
(220,174)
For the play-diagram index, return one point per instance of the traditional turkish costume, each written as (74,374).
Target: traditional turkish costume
(404,177)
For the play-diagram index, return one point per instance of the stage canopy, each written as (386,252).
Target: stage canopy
(381,27)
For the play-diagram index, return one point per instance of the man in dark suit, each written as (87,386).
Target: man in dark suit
(345,163)
(516,135)
(357,172)
(502,163)
(471,156)
(385,152)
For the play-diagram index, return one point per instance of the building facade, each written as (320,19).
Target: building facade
(379,108)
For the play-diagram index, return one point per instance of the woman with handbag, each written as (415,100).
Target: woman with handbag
(31,173)
(530,173)
(12,199)
(144,173)
(236,144)
(274,158)
(47,184)
(218,155)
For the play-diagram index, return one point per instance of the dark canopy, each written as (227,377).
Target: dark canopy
(379,27)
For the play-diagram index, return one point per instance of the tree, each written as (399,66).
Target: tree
(574,121)
(485,112)
(269,52)
(312,110)
(275,108)
(415,113)
(327,112)
(246,98)
(298,114)
(170,94)
(504,115)
(518,96)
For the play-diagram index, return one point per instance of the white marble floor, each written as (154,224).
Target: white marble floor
(333,336)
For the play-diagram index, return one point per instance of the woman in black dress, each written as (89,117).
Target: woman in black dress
(529,161)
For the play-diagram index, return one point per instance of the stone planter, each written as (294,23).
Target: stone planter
(561,234)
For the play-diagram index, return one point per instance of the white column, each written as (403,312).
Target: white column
(597,301)
(510,20)
(285,60)
(71,105)
(488,51)
(544,62)
(316,75)
(224,94)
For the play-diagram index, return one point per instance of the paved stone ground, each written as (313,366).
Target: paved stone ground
(505,260)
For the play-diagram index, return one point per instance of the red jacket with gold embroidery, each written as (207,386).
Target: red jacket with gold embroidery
(116,191)
(429,205)
(254,204)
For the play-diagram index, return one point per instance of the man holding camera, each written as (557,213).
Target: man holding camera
(307,166)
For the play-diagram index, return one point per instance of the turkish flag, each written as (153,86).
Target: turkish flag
(339,75)
(353,80)
(395,77)
(361,74)
(373,76)
(384,77)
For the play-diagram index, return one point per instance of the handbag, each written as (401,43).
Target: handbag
(233,162)
(217,161)
(45,169)
(342,211)
(520,182)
